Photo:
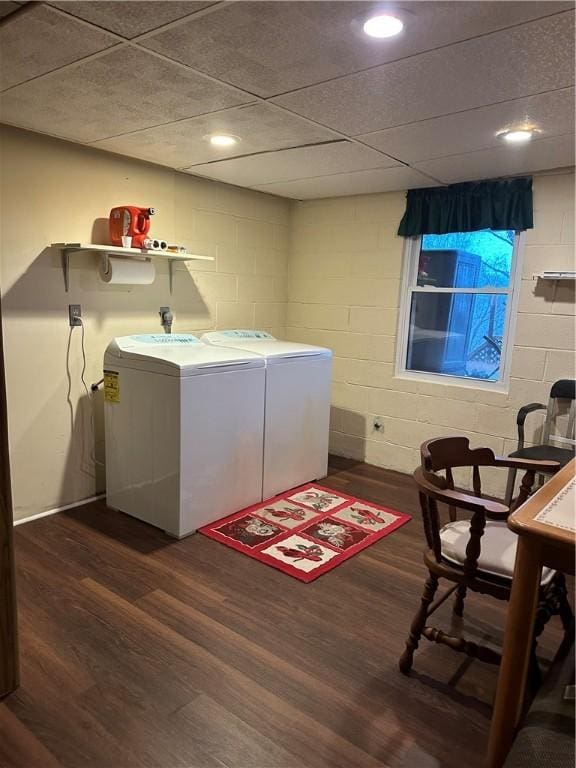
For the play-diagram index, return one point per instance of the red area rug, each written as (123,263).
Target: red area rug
(307,531)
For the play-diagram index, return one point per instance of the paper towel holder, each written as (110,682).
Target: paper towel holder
(105,260)
(133,253)
(126,271)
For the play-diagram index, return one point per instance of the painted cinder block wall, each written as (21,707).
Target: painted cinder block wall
(344,263)
(54,191)
(344,291)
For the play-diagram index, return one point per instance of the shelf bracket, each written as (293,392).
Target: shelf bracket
(66,268)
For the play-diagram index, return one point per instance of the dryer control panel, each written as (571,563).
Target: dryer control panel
(162,339)
(245,335)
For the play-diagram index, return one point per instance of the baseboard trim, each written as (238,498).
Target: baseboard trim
(54,511)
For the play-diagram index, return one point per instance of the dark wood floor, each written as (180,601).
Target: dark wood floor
(138,650)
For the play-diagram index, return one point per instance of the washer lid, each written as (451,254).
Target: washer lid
(178,354)
(263,343)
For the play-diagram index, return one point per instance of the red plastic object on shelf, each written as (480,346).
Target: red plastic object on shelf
(130,221)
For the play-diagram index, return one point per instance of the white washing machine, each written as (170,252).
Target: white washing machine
(297,417)
(184,430)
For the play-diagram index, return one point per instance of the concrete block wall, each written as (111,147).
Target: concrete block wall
(54,191)
(344,291)
(337,261)
(247,234)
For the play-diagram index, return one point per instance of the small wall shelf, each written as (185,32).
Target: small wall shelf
(133,253)
(554,274)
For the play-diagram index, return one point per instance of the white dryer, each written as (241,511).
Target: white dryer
(184,430)
(297,411)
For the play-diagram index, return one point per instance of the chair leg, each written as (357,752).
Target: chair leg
(563,604)
(543,614)
(542,617)
(553,602)
(534,673)
(418,624)
(459,601)
(510,487)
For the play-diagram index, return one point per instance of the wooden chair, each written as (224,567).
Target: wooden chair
(554,447)
(477,553)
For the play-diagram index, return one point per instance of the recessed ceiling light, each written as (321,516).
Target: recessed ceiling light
(517,137)
(223,140)
(383,26)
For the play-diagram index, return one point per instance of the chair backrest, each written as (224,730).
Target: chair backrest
(561,391)
(443,455)
(448,453)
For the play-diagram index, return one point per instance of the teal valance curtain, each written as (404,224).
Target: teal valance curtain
(468,207)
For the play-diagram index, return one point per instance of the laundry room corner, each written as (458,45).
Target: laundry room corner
(287,384)
(54,191)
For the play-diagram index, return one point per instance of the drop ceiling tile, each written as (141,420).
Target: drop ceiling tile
(6,8)
(38,40)
(124,90)
(552,113)
(299,163)
(525,60)
(539,155)
(132,18)
(269,48)
(180,145)
(343,184)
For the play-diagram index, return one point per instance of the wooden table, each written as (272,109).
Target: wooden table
(539,544)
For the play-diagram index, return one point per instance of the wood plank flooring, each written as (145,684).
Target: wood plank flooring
(138,650)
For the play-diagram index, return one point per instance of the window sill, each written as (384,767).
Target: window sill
(453,381)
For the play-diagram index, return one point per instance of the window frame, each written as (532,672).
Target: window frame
(408,286)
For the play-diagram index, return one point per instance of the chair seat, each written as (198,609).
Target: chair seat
(498,548)
(545,453)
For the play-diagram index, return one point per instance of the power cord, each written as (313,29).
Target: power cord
(83,361)
(88,391)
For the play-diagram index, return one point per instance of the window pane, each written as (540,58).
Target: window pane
(457,334)
(466,259)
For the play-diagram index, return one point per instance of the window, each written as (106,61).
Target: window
(458,303)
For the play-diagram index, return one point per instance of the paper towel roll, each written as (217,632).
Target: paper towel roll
(127,271)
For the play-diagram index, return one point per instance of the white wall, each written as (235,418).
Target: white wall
(53,191)
(345,269)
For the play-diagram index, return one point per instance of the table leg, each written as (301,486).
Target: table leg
(516,651)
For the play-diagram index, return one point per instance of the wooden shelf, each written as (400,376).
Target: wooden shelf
(554,274)
(131,253)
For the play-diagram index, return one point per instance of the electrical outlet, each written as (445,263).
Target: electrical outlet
(74,314)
